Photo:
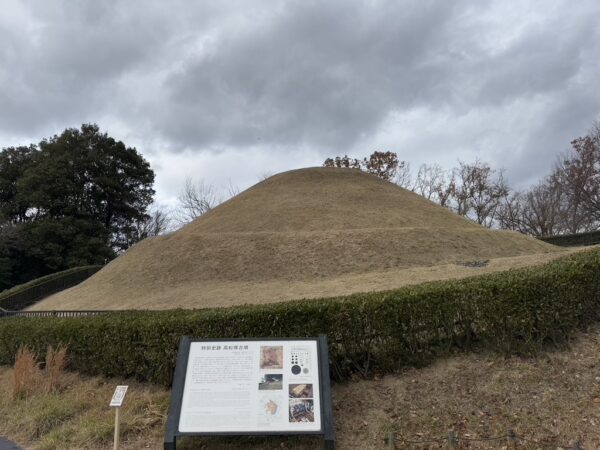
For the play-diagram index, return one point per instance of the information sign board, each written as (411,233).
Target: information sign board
(118,396)
(251,387)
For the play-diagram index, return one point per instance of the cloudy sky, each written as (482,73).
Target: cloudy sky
(227,91)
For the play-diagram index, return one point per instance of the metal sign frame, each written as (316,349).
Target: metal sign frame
(327,423)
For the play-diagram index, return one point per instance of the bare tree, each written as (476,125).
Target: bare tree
(538,211)
(428,178)
(570,181)
(434,183)
(578,174)
(479,192)
(542,210)
(404,175)
(567,201)
(232,189)
(156,222)
(195,200)
(510,212)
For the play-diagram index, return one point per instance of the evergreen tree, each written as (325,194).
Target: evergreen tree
(73,199)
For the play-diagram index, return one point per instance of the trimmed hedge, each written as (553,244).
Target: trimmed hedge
(518,311)
(573,240)
(26,294)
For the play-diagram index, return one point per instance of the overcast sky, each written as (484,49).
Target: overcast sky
(230,90)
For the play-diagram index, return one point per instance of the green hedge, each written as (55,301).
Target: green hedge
(518,311)
(573,240)
(24,295)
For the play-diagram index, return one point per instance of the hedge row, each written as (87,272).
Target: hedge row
(518,311)
(24,295)
(573,240)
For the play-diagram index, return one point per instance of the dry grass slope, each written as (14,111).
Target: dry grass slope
(305,233)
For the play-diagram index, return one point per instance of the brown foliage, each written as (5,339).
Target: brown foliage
(343,162)
(383,164)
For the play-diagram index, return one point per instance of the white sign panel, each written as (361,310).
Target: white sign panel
(251,386)
(118,396)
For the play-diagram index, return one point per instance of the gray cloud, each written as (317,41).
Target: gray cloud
(293,82)
(314,75)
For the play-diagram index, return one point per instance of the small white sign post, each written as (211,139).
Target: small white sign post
(117,402)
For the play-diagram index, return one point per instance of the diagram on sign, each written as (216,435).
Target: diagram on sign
(300,358)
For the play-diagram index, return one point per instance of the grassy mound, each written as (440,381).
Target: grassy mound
(302,228)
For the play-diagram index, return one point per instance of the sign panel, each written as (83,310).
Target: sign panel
(251,386)
(118,396)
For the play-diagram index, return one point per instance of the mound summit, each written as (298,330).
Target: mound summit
(305,233)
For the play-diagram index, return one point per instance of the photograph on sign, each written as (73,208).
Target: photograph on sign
(251,386)
(271,381)
(271,357)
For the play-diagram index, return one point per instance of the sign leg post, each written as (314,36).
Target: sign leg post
(328,424)
(170,444)
(116,447)
(117,402)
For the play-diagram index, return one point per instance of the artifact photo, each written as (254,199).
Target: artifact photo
(301,410)
(301,390)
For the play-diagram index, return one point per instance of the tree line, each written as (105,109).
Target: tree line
(563,202)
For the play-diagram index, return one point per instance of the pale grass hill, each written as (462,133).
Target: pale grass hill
(305,233)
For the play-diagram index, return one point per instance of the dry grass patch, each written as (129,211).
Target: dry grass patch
(56,362)
(27,376)
(26,373)
(549,400)
(77,415)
